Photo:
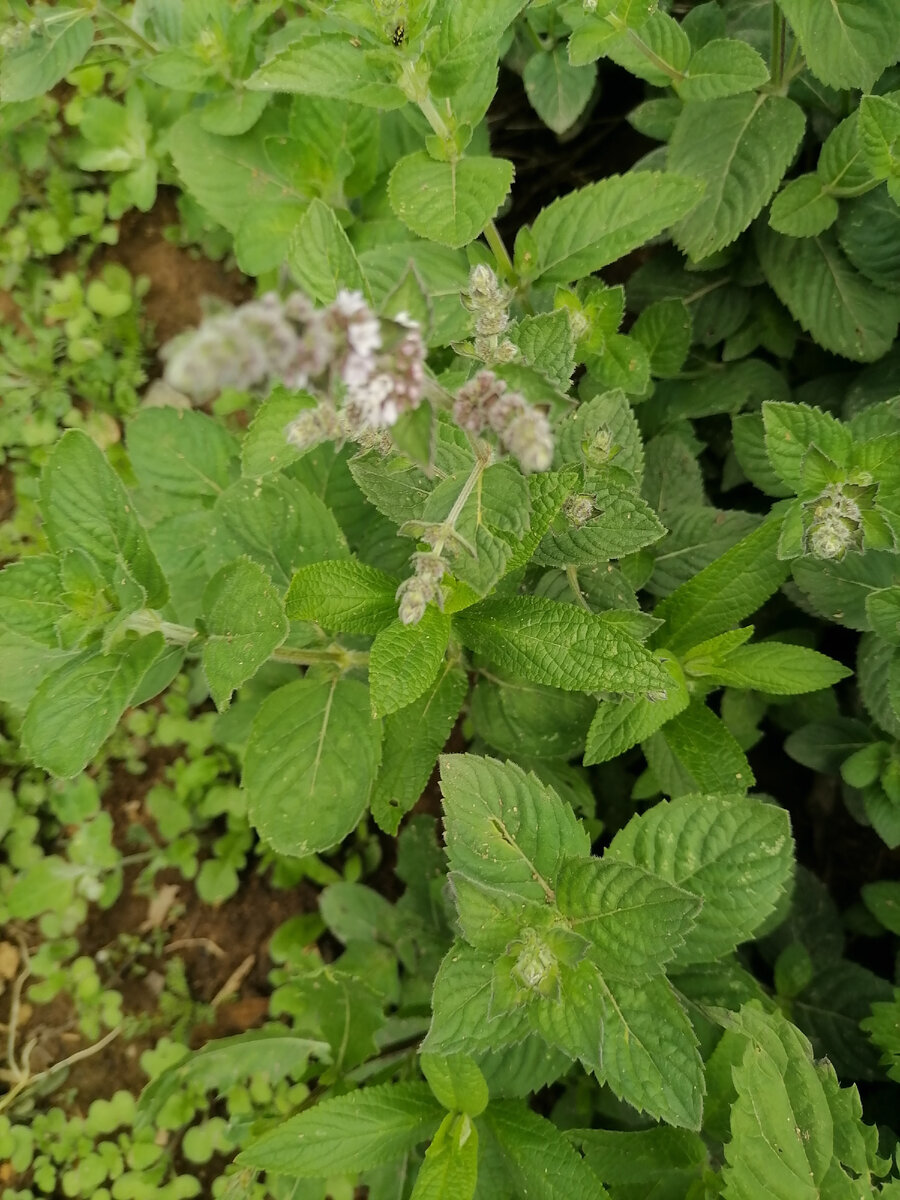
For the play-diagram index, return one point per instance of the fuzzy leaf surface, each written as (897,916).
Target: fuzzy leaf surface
(559,645)
(505,828)
(405,660)
(701,843)
(343,595)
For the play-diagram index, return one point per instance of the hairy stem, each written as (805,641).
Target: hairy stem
(504,262)
(146,621)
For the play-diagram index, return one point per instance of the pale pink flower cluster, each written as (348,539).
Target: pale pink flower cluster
(368,371)
(486,404)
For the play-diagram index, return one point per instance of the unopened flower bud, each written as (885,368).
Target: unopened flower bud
(414,595)
(429,568)
(598,449)
(529,438)
(579,509)
(836,525)
(536,967)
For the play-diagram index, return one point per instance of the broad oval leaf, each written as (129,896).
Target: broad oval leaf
(740,147)
(311,761)
(448,202)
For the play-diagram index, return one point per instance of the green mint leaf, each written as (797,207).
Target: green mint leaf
(344,596)
(85,506)
(623,525)
(647,1158)
(527,720)
(398,489)
(559,645)
(867,231)
(664,330)
(658,54)
(557,91)
(493,519)
(544,1164)
(648,1051)
(882,608)
(414,736)
(790,430)
(278,523)
(740,148)
(839,591)
(832,301)
(405,660)
(724,593)
(635,920)
(348,1134)
(30,603)
(462,1019)
(489,917)
(697,537)
(776,668)
(181,452)
(456,1082)
(608,418)
(722,67)
(847,45)
(233,113)
(244,620)
(233,177)
(588,229)
(321,257)
(450,1168)
(548,492)
(842,164)
(694,752)
(467,40)
(77,707)
(781,1126)
(545,341)
(749,442)
(699,843)
(620,724)
(505,828)
(265,450)
(803,208)
(448,202)
(879,129)
(52,51)
(331,66)
(310,764)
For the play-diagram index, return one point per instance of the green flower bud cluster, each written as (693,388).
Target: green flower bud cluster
(488,301)
(835,522)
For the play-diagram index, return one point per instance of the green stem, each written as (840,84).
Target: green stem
(459,504)
(126,28)
(147,621)
(776,63)
(501,254)
(651,56)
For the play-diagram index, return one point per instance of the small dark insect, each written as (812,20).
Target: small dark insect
(398,37)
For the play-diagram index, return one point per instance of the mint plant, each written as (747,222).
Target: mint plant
(600,494)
